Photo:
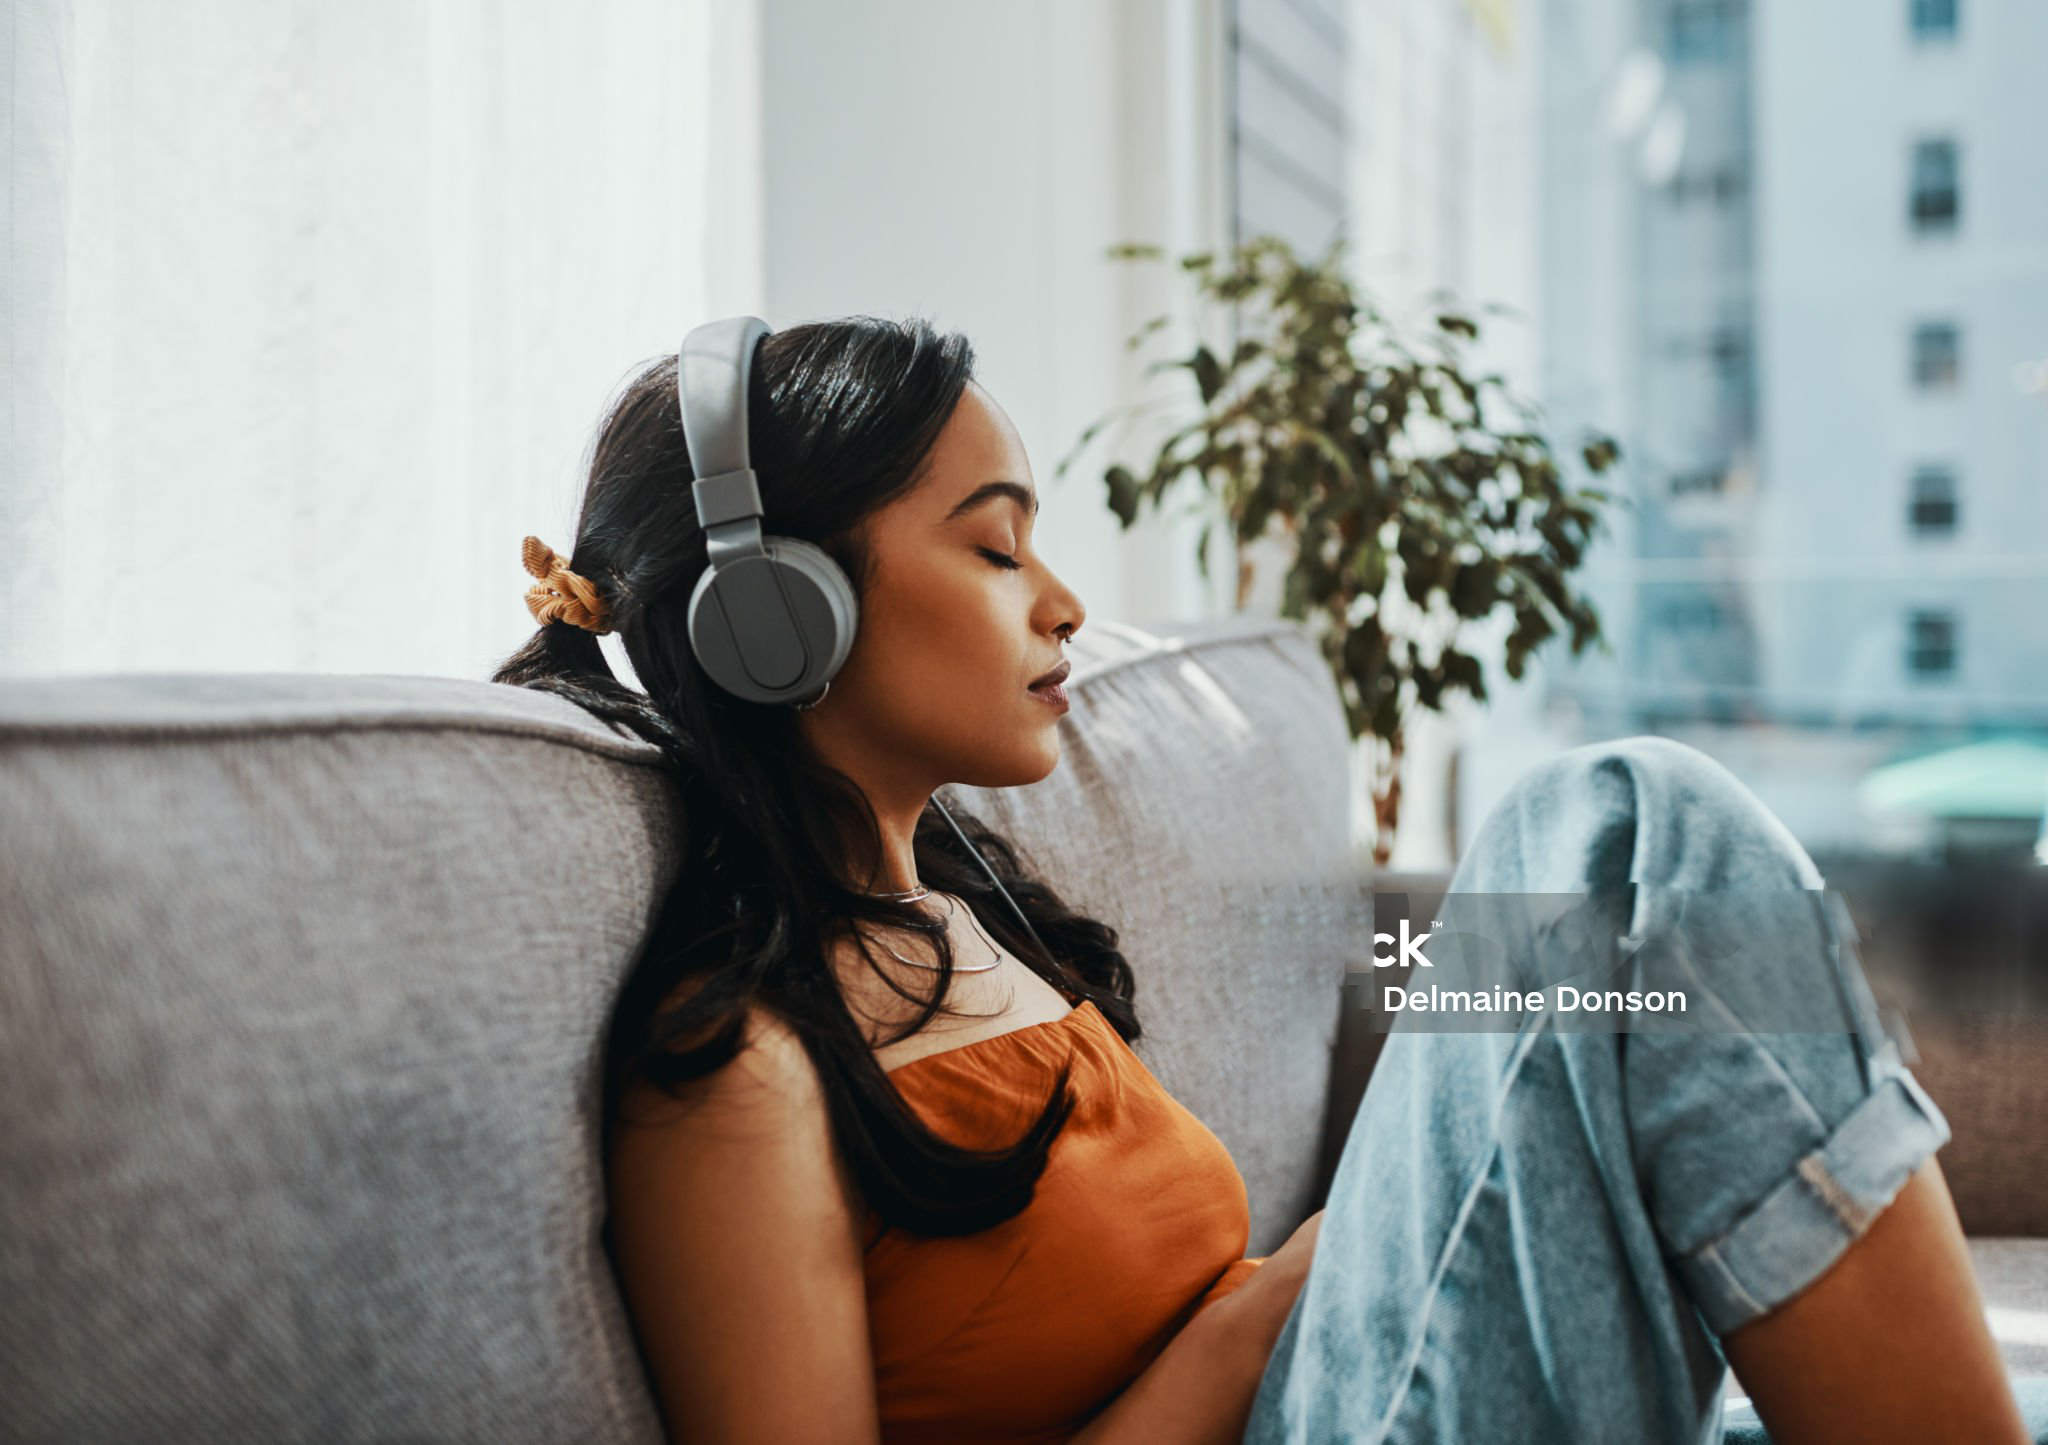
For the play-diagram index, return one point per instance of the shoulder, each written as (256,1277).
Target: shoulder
(738,1242)
(770,1074)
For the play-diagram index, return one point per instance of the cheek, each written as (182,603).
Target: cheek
(953,638)
(965,627)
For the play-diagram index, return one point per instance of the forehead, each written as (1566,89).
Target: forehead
(977,466)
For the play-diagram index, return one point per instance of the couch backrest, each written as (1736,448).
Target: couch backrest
(304,982)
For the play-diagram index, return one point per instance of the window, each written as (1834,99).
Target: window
(1702,29)
(1708,482)
(1288,102)
(1725,348)
(1693,614)
(1933,506)
(1935,202)
(1937,356)
(1931,643)
(1933,19)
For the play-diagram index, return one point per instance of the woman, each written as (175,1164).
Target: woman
(865,1180)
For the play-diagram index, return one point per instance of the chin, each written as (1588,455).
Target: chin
(1018,769)
(1051,752)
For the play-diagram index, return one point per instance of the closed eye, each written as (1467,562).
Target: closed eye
(999,559)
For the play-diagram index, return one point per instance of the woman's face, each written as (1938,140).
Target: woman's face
(935,688)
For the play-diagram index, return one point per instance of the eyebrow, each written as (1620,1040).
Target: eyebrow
(989,491)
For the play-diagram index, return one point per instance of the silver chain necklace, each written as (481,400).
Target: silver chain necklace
(912,895)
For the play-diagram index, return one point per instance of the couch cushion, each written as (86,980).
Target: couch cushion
(304,982)
(301,994)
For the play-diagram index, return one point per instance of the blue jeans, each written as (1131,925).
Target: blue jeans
(1538,1233)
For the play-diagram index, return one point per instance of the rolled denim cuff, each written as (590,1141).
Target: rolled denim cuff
(1791,1236)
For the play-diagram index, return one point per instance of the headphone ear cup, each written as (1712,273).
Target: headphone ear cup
(800,615)
(833,639)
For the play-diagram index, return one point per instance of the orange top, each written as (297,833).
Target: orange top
(1024,1331)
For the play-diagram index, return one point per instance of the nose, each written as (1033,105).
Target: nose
(1073,614)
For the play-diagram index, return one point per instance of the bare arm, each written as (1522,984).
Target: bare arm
(1199,1390)
(738,1244)
(1890,1343)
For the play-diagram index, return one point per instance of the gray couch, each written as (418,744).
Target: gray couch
(303,989)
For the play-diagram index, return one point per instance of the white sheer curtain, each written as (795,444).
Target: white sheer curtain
(310,309)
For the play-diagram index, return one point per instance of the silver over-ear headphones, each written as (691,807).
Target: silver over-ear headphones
(772,618)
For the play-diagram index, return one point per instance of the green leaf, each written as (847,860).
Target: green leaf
(1208,373)
(1462,670)
(1123,494)
(1386,715)
(1326,446)
(1475,587)
(1369,562)
(1137,338)
(1365,653)
(1532,627)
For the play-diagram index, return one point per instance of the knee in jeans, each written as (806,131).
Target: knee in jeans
(1634,810)
(1698,825)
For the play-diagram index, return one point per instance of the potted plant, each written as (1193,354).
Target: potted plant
(1414,499)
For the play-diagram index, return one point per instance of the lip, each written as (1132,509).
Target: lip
(1053,695)
(1055,677)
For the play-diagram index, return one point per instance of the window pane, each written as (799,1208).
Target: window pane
(1937,356)
(1935,201)
(1933,503)
(1931,645)
(1702,30)
(1933,19)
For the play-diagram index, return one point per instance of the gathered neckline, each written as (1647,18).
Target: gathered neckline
(1070,1016)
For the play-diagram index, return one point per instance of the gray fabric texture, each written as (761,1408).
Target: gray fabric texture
(303,987)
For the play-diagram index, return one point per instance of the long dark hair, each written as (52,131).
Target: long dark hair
(842,416)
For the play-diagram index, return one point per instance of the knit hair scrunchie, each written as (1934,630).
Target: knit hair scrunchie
(561,595)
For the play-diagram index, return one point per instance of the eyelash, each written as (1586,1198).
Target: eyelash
(1007,563)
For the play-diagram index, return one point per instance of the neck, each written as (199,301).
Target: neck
(897,872)
(899,796)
